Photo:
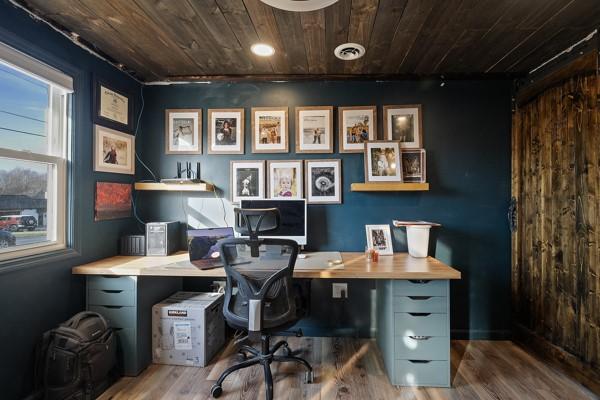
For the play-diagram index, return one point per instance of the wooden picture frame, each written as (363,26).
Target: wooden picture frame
(177,126)
(287,181)
(114,151)
(414,165)
(217,118)
(239,184)
(112,200)
(321,126)
(274,137)
(409,136)
(112,106)
(323,181)
(386,166)
(352,118)
(379,237)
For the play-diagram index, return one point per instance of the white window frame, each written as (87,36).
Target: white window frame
(57,130)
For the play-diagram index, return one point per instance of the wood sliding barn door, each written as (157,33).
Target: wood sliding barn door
(556,241)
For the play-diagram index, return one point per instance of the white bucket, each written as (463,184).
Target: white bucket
(417,237)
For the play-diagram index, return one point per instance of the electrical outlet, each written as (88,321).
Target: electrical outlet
(340,290)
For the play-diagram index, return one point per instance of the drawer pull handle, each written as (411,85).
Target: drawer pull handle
(419,297)
(420,337)
(419,314)
(117,329)
(111,276)
(111,291)
(419,281)
(113,307)
(420,361)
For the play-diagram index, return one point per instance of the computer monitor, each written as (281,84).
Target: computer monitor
(293,217)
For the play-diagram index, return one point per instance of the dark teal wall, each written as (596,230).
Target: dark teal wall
(467,136)
(37,296)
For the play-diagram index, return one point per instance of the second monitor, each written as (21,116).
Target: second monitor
(293,217)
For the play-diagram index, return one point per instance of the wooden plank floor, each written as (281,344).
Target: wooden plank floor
(347,368)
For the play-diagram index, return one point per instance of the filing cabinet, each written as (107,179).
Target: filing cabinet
(126,302)
(413,331)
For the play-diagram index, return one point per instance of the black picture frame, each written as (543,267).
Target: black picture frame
(107,122)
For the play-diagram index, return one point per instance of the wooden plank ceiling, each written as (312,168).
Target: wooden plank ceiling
(200,39)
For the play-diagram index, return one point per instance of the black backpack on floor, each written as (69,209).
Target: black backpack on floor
(77,360)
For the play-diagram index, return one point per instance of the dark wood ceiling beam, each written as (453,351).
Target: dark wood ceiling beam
(387,20)
(313,25)
(362,18)
(290,28)
(337,22)
(239,22)
(266,27)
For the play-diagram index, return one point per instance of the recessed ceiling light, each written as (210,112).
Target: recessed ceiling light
(299,5)
(262,49)
(349,51)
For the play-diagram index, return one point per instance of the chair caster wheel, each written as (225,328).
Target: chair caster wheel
(216,391)
(309,377)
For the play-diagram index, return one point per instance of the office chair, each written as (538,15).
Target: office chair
(260,298)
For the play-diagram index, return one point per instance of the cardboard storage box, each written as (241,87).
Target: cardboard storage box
(188,329)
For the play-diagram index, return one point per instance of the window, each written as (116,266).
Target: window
(34,102)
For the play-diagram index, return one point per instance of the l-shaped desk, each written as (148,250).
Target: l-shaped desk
(413,305)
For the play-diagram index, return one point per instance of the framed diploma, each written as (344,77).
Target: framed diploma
(112,107)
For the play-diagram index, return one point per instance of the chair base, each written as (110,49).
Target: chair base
(264,357)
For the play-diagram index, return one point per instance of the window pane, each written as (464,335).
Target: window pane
(24,214)
(24,103)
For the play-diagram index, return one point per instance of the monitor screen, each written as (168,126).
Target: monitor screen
(293,217)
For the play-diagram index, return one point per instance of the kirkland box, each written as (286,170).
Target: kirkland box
(188,329)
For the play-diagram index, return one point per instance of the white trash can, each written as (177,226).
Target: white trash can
(417,237)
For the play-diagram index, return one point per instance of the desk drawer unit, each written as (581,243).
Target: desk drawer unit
(413,331)
(126,302)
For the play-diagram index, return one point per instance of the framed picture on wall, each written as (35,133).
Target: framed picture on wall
(382,161)
(226,131)
(247,180)
(112,107)
(113,201)
(183,131)
(356,126)
(270,130)
(314,129)
(379,238)
(284,179)
(404,124)
(414,166)
(323,180)
(114,151)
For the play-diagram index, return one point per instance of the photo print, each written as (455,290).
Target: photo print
(183,131)
(270,130)
(404,124)
(323,181)
(226,131)
(113,151)
(382,161)
(314,127)
(357,125)
(285,179)
(379,238)
(247,180)
(414,165)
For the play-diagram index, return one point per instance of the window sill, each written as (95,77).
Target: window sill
(22,263)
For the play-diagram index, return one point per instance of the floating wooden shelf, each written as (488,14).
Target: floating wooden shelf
(389,187)
(175,187)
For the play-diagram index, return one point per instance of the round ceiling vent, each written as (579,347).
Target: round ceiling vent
(299,5)
(349,51)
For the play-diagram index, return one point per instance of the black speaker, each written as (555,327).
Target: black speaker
(162,238)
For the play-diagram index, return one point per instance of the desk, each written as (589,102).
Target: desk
(413,306)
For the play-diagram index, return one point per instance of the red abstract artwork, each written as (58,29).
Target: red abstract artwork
(113,200)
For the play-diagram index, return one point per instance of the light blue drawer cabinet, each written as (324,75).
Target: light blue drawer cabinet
(126,303)
(413,331)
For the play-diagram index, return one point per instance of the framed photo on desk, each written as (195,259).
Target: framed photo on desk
(379,238)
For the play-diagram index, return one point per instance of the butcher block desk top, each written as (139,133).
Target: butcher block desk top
(398,266)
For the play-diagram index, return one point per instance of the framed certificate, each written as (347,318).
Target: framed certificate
(112,107)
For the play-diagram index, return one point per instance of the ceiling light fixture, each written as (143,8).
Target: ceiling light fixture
(262,49)
(299,5)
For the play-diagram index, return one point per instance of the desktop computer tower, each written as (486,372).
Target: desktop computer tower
(162,238)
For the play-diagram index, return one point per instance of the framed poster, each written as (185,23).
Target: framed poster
(314,129)
(183,131)
(112,107)
(270,130)
(382,161)
(284,179)
(404,124)
(113,201)
(226,131)
(247,180)
(114,151)
(323,181)
(356,126)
